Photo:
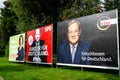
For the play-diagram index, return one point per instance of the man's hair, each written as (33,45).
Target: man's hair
(74,21)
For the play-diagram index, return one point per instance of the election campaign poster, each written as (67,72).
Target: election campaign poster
(89,41)
(17,48)
(39,45)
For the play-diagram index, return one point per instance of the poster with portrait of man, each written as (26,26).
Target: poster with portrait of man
(17,48)
(39,45)
(90,41)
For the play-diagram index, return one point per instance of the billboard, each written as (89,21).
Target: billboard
(17,48)
(39,45)
(95,40)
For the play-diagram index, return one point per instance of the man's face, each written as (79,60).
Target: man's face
(37,34)
(73,33)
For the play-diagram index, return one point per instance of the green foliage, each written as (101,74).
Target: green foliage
(7,50)
(111,5)
(32,14)
(78,8)
(7,25)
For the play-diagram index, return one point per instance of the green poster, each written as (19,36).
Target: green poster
(17,47)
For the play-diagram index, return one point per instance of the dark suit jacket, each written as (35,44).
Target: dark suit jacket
(20,54)
(43,57)
(64,54)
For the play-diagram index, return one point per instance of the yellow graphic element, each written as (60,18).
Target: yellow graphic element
(99,27)
(102,28)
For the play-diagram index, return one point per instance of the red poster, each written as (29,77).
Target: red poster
(39,45)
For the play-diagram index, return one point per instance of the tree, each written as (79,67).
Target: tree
(7,25)
(78,8)
(34,13)
(111,5)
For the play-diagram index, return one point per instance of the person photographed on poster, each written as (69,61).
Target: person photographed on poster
(38,48)
(21,50)
(70,50)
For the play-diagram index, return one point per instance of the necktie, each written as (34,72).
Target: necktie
(73,53)
(38,49)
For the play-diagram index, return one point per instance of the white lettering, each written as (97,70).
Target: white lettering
(48,28)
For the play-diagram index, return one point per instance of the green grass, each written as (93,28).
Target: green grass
(18,71)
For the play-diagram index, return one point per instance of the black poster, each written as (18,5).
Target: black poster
(97,45)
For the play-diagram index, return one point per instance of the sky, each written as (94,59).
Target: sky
(1,3)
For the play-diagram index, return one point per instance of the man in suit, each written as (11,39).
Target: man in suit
(38,50)
(70,50)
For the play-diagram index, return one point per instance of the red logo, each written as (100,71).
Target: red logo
(103,23)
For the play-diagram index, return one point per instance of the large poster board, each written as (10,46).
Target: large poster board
(97,45)
(17,48)
(39,45)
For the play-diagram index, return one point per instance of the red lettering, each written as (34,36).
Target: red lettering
(105,23)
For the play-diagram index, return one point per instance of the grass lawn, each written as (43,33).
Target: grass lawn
(18,71)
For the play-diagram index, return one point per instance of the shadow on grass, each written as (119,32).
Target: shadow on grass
(107,71)
(15,67)
(11,68)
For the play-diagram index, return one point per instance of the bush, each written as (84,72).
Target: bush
(7,50)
